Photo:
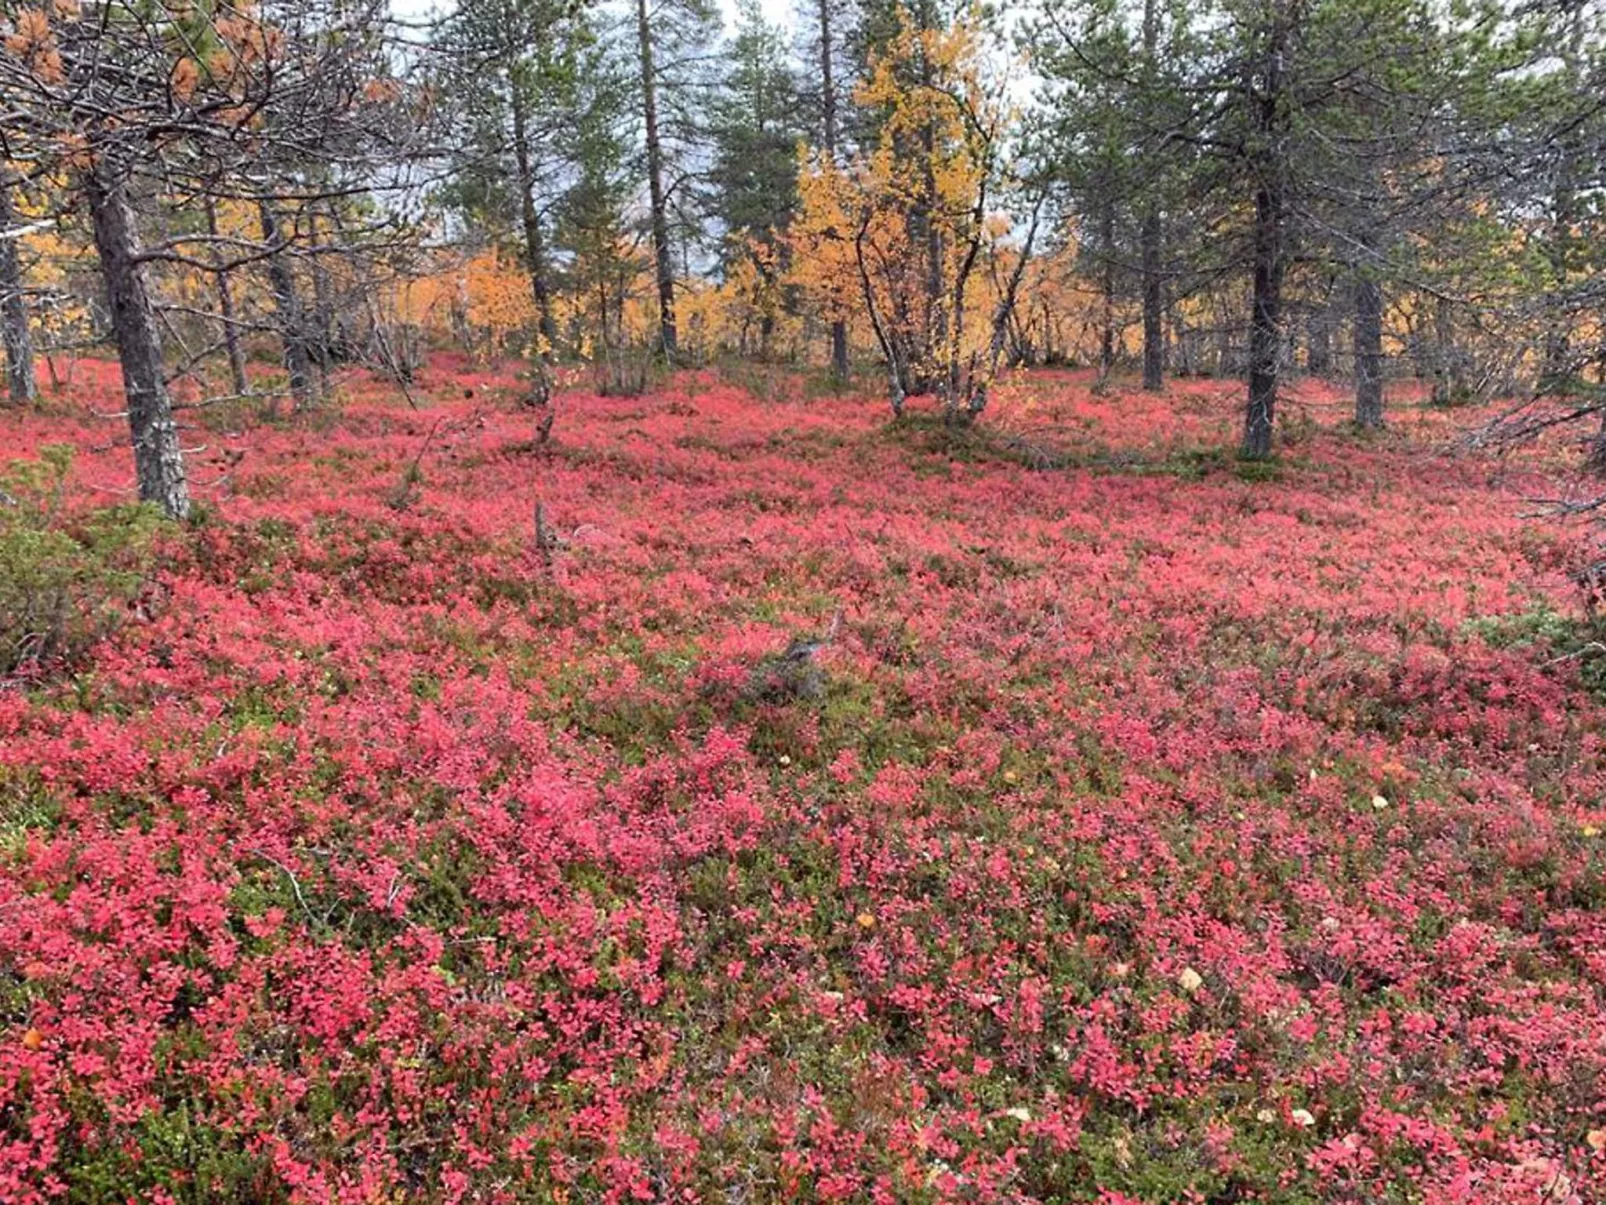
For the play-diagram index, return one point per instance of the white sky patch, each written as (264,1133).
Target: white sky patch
(776,12)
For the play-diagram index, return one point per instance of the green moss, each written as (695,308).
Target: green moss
(67,579)
(1561,640)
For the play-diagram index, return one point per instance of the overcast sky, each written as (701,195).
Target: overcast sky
(781,12)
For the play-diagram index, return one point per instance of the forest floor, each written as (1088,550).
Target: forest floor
(1149,827)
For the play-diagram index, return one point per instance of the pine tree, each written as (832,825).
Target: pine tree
(670,40)
(590,227)
(515,73)
(755,132)
(1114,108)
(1303,126)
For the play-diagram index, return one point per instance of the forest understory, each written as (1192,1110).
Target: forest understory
(739,796)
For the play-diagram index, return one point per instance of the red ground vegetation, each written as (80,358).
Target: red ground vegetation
(1159,825)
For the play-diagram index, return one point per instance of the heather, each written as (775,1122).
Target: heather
(1148,825)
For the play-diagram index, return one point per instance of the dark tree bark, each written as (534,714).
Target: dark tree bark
(662,256)
(1270,262)
(1153,305)
(21,385)
(1556,366)
(323,336)
(1368,352)
(839,327)
(1265,322)
(158,459)
(287,303)
(897,378)
(225,305)
(1185,341)
(1449,381)
(1319,342)
(926,232)
(1107,290)
(534,244)
(1150,236)
(839,350)
(937,317)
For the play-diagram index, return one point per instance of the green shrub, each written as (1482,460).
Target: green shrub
(66,579)
(1560,639)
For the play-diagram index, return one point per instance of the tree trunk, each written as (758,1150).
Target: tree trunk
(323,334)
(534,244)
(1153,305)
(225,305)
(1319,336)
(655,185)
(1265,323)
(158,459)
(931,356)
(1187,345)
(21,384)
(287,303)
(1266,313)
(1368,352)
(936,299)
(1107,289)
(839,350)
(1449,383)
(1153,283)
(897,388)
(839,326)
(1556,367)
(1319,347)
(1367,335)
